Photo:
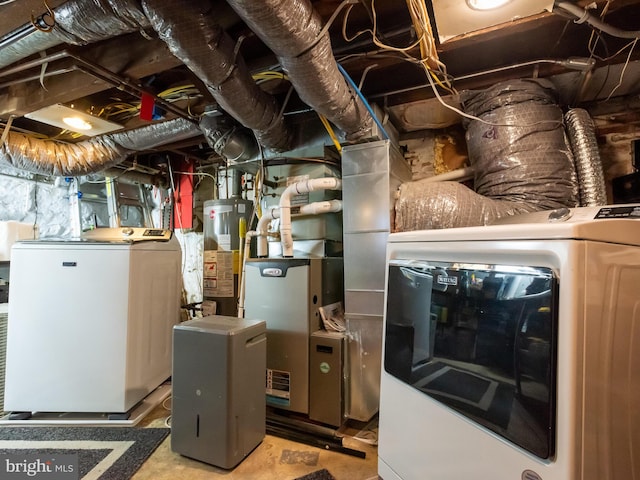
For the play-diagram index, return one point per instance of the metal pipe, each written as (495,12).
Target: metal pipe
(583,15)
(573,63)
(35,63)
(48,73)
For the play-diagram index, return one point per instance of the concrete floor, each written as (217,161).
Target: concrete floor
(274,459)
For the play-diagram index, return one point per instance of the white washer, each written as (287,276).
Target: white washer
(90,321)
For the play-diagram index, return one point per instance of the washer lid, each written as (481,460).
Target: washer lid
(127,234)
(611,224)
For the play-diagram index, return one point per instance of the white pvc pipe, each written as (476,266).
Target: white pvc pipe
(306,186)
(315,208)
(262,229)
(460,174)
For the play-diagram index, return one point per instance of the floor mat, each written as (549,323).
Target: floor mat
(317,475)
(114,453)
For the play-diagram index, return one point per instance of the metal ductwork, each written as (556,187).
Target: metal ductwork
(520,155)
(191,33)
(77,22)
(292,30)
(233,144)
(582,135)
(90,156)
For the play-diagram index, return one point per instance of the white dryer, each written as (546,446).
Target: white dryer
(512,351)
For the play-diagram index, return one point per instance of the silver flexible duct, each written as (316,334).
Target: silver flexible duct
(77,22)
(291,29)
(48,157)
(581,132)
(191,33)
(520,155)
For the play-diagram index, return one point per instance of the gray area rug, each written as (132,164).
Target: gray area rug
(104,453)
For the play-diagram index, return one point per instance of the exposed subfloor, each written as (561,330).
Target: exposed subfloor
(274,459)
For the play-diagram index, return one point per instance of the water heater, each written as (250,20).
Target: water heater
(221,257)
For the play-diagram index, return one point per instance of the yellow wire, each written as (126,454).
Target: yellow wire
(428,53)
(330,131)
(257,193)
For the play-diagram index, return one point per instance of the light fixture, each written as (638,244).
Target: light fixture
(486,4)
(68,118)
(460,17)
(77,123)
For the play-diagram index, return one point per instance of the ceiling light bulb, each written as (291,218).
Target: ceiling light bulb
(486,4)
(77,123)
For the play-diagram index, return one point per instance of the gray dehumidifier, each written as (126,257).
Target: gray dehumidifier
(218,403)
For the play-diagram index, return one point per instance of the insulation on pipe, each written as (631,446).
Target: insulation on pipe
(520,155)
(48,157)
(189,29)
(581,131)
(292,30)
(425,205)
(77,22)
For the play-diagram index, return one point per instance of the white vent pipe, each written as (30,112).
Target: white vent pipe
(306,186)
(316,208)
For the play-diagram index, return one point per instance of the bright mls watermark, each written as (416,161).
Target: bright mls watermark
(39,466)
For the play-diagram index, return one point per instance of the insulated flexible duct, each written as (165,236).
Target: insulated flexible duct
(77,22)
(292,30)
(520,155)
(191,33)
(584,144)
(90,156)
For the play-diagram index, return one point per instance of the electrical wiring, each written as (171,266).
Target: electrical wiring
(473,117)
(610,57)
(275,75)
(425,42)
(6,2)
(330,131)
(201,174)
(624,69)
(420,18)
(372,31)
(595,34)
(326,27)
(122,111)
(167,421)
(269,75)
(364,101)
